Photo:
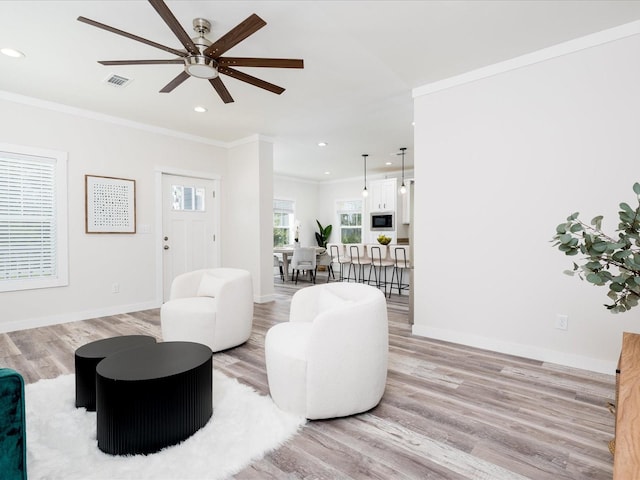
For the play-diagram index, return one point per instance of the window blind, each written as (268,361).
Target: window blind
(349,206)
(27,217)
(283,206)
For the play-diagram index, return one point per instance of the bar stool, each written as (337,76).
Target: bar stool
(359,260)
(401,262)
(379,264)
(336,250)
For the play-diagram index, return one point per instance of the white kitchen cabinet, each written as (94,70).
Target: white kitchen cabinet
(383,195)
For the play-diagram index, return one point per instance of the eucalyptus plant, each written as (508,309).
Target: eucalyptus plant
(607,260)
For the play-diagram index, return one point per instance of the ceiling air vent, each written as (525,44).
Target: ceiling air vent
(117,80)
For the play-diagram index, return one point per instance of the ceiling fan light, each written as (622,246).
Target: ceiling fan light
(201,67)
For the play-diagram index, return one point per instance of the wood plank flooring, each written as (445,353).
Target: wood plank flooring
(449,412)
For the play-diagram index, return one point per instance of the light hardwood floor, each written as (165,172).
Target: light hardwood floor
(449,411)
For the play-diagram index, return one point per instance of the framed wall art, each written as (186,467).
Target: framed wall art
(110,205)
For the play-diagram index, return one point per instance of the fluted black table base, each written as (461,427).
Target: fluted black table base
(87,358)
(153,396)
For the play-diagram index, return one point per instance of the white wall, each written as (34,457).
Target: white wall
(305,195)
(96,261)
(248,212)
(500,161)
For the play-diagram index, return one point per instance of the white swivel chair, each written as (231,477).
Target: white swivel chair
(330,359)
(209,306)
(304,258)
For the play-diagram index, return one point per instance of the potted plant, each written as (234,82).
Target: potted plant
(607,260)
(322,236)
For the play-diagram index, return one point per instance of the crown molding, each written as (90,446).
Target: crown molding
(559,50)
(80,112)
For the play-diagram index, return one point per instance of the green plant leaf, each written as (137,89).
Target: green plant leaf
(594,278)
(576,227)
(597,222)
(562,228)
(573,216)
(636,188)
(624,206)
(616,287)
(565,238)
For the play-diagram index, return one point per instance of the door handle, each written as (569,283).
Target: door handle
(166,247)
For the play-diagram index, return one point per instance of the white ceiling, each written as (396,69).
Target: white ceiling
(362,60)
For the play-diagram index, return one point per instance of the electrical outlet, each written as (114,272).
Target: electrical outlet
(115,288)
(562,321)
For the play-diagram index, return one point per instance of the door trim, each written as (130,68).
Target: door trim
(159,172)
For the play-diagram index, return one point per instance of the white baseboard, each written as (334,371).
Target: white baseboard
(75,316)
(519,350)
(264,298)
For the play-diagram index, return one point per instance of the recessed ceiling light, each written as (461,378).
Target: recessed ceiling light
(388,163)
(200,109)
(413,123)
(10,52)
(327,173)
(322,144)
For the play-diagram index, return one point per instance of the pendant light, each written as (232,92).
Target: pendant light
(364,190)
(403,189)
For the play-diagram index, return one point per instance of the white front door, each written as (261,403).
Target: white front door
(189,226)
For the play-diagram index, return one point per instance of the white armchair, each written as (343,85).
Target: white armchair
(209,306)
(330,359)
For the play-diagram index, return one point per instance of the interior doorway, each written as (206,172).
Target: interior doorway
(190,226)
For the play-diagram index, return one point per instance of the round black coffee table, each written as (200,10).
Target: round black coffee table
(153,396)
(87,358)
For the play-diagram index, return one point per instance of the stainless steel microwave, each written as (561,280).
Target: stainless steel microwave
(382,221)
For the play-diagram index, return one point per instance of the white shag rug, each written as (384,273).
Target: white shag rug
(62,444)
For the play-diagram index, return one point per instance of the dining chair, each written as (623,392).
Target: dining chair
(324,259)
(277,263)
(304,258)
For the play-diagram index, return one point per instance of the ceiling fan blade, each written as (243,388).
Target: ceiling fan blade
(175,82)
(175,26)
(261,62)
(243,77)
(141,62)
(88,21)
(234,36)
(221,89)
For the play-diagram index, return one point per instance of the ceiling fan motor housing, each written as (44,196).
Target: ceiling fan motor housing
(201,66)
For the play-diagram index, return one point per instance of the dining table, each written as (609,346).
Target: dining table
(287,251)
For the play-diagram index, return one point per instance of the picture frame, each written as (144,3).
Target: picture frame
(110,204)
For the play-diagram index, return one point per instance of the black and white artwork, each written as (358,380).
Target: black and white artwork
(110,204)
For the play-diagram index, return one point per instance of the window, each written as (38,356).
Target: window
(33,218)
(350,220)
(187,198)
(282,222)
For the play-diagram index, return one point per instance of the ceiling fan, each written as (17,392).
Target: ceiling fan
(202,58)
